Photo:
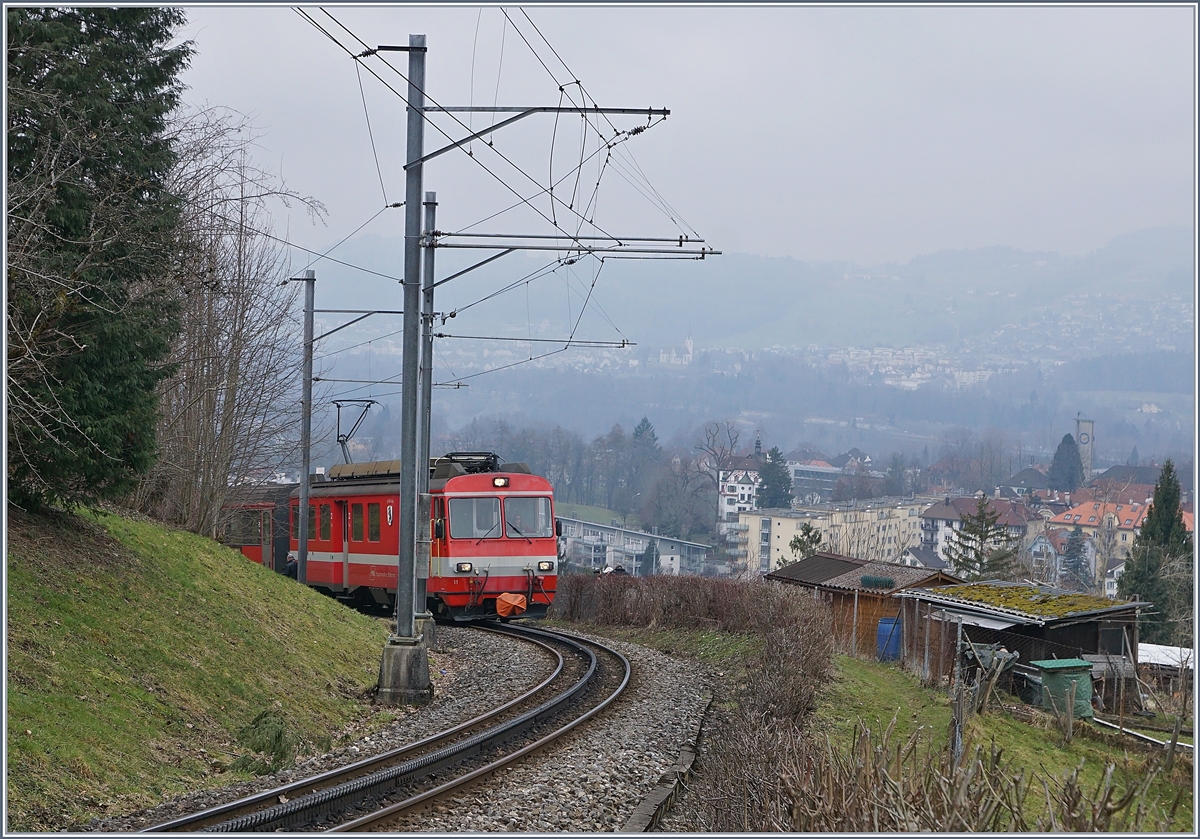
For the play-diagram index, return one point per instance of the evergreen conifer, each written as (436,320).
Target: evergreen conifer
(1066,470)
(775,487)
(981,549)
(1159,568)
(1075,571)
(92,308)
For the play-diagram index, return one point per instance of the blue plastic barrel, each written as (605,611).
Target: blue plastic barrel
(888,639)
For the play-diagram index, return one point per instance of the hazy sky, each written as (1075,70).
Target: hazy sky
(864,134)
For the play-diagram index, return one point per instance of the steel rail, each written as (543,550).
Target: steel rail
(315,806)
(401,807)
(333,777)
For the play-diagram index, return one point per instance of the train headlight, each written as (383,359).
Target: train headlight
(546,565)
(463,568)
(499,482)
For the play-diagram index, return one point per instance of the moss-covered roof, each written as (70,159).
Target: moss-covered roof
(1028,600)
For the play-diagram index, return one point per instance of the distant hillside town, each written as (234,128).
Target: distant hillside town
(1074,539)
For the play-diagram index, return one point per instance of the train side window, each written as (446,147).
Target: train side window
(356,522)
(525,517)
(326,522)
(295,514)
(243,528)
(475,518)
(373,522)
(312,521)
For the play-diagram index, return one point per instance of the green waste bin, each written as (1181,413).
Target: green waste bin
(1058,674)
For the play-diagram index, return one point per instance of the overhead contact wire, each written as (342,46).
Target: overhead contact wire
(428,119)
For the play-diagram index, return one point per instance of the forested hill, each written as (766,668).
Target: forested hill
(750,302)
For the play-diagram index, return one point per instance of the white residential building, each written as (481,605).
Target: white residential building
(737,491)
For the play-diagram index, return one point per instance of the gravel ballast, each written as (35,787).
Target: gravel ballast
(591,782)
(596,778)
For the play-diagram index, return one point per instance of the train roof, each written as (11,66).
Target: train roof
(382,477)
(247,495)
(447,466)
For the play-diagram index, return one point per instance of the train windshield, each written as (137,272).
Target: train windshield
(528,517)
(475,518)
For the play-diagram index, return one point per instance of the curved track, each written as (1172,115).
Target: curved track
(363,794)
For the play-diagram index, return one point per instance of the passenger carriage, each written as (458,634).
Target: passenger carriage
(491,531)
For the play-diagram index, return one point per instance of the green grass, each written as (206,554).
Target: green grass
(136,655)
(1041,750)
(596,515)
(875,692)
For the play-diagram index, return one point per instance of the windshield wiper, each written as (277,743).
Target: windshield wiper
(517,530)
(489,532)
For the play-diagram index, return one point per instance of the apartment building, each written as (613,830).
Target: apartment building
(599,546)
(877,529)
(941,520)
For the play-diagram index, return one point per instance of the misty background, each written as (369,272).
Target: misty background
(930,218)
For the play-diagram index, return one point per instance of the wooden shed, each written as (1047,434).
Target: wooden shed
(1039,622)
(860,593)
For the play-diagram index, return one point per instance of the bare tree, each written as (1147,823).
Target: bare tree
(993,458)
(678,498)
(228,413)
(717,449)
(865,534)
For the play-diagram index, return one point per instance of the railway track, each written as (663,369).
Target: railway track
(375,792)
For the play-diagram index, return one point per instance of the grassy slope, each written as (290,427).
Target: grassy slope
(136,653)
(876,693)
(584,512)
(873,692)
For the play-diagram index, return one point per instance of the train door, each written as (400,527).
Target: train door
(265,541)
(344,516)
(437,547)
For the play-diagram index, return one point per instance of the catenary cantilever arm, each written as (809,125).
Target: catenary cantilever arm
(528,112)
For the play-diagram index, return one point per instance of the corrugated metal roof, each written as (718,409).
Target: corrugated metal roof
(1165,656)
(817,568)
(1043,604)
(969,619)
(1110,666)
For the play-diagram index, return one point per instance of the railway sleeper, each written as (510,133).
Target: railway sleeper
(336,799)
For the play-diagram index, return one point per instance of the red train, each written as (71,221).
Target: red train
(256,523)
(492,531)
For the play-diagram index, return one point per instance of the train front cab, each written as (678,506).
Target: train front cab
(493,546)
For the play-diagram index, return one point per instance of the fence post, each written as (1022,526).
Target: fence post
(1071,711)
(941,653)
(928,624)
(1174,744)
(956,724)
(854,628)
(957,646)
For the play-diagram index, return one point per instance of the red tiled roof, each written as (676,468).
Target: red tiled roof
(1092,513)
